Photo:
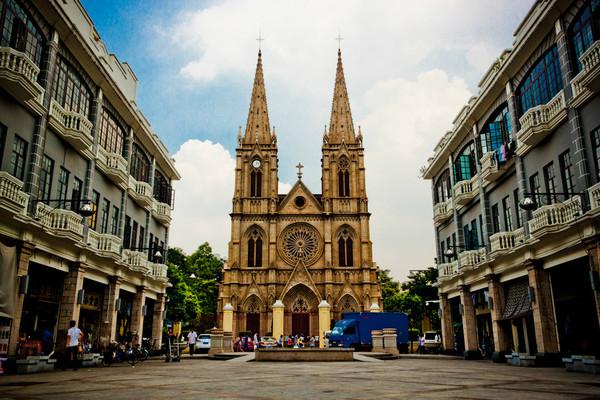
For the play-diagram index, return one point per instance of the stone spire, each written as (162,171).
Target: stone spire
(258,127)
(341,127)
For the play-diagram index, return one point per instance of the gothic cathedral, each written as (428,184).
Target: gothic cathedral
(298,248)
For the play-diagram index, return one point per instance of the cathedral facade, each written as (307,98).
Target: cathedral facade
(298,248)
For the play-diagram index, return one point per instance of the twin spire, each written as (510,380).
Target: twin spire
(341,127)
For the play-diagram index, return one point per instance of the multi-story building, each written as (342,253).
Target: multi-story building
(70,132)
(516,195)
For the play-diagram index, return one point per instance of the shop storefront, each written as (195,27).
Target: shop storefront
(124,310)
(148,318)
(485,337)
(90,315)
(518,314)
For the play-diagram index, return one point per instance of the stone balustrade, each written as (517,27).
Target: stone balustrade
(159,270)
(447,270)
(465,191)
(540,121)
(594,194)
(555,216)
(18,74)
(161,211)
(11,195)
(137,260)
(104,243)
(141,192)
(590,71)
(75,128)
(60,222)
(442,211)
(113,165)
(471,258)
(503,241)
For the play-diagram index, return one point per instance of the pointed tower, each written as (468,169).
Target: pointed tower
(258,127)
(341,128)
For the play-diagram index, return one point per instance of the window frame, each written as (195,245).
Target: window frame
(541,83)
(18,158)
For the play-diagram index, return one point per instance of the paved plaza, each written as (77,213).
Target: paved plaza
(206,379)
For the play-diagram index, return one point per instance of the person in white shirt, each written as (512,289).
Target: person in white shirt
(74,340)
(192,337)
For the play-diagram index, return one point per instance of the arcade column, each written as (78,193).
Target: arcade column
(324,321)
(278,308)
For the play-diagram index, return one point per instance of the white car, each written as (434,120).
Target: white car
(203,343)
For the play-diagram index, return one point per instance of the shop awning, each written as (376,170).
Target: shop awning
(517,302)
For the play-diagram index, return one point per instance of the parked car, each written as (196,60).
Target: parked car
(203,343)
(433,341)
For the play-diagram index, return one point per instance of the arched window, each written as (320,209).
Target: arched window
(255,249)
(496,135)
(162,188)
(111,134)
(345,256)
(70,89)
(442,187)
(344,177)
(18,31)
(584,30)
(140,164)
(542,82)
(464,165)
(255,183)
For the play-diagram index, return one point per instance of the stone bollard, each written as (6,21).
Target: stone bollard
(389,341)
(216,341)
(377,336)
(227,342)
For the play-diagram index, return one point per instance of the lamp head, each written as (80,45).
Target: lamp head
(87,208)
(450,253)
(528,203)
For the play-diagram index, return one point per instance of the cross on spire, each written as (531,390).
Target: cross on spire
(299,166)
(259,40)
(339,39)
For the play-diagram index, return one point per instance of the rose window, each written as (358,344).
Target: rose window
(300,242)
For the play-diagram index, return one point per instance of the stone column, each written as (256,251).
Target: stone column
(377,338)
(390,342)
(216,341)
(228,318)
(446,322)
(25,251)
(157,320)
(137,313)
(278,308)
(501,332)
(469,324)
(324,321)
(69,309)
(109,311)
(543,313)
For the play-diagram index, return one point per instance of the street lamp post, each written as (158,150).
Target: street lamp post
(530,200)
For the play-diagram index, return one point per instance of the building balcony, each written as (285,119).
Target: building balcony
(442,211)
(465,191)
(12,196)
(141,192)
(556,216)
(590,71)
(73,127)
(503,242)
(137,261)
(491,168)
(538,122)
(471,258)
(447,270)
(18,75)
(104,244)
(114,166)
(158,271)
(59,222)
(161,211)
(594,193)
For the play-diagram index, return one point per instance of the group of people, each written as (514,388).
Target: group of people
(298,341)
(245,343)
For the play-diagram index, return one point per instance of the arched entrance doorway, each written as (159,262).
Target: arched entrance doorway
(301,311)
(252,309)
(300,317)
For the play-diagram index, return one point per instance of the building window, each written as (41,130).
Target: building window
(550,181)
(115,221)
(134,235)
(474,235)
(596,144)
(127,233)
(254,249)
(105,212)
(536,188)
(162,188)
(506,209)
(345,255)
(17,158)
(19,31)
(140,164)
(443,187)
(70,89)
(442,253)
(496,134)
(464,165)
(92,221)
(255,183)
(517,209)
(343,177)
(111,136)
(495,218)
(63,184)
(566,173)
(3,130)
(542,82)
(584,29)
(46,178)
(141,238)
(76,193)
(481,230)
(151,247)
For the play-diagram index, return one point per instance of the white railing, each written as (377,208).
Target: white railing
(162,209)
(465,189)
(556,215)
(442,210)
(594,196)
(471,258)
(488,162)
(543,114)
(136,260)
(507,240)
(10,189)
(142,189)
(59,220)
(112,160)
(159,270)
(591,57)
(70,120)
(447,270)
(104,242)
(19,63)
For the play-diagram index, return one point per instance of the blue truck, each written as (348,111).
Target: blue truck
(354,329)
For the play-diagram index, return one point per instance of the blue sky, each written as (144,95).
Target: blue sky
(410,66)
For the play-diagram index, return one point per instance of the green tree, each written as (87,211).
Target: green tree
(389,287)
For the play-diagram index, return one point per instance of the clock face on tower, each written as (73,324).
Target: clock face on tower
(256,163)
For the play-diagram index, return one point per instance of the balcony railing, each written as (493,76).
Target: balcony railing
(141,192)
(505,241)
(594,193)
(555,216)
(161,211)
(137,261)
(11,195)
(540,121)
(471,258)
(442,211)
(491,168)
(447,270)
(74,128)
(18,74)
(60,222)
(104,243)
(159,270)
(114,166)
(590,71)
(465,191)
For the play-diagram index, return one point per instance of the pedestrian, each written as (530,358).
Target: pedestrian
(192,337)
(255,341)
(312,342)
(290,342)
(74,340)
(421,349)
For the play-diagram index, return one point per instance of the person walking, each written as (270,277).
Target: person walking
(74,340)
(192,337)
(421,349)
(255,341)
